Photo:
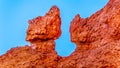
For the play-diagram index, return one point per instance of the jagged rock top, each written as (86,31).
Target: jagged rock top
(104,24)
(97,39)
(46,27)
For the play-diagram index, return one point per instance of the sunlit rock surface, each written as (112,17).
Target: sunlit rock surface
(41,33)
(97,39)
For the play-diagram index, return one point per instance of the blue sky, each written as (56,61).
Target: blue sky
(14,15)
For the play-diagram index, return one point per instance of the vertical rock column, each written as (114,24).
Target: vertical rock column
(43,30)
(41,33)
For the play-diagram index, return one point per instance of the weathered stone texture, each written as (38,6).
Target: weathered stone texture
(46,27)
(97,40)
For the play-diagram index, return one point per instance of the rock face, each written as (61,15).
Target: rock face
(41,33)
(97,39)
(44,28)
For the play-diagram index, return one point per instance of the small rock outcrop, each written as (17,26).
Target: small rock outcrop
(46,27)
(97,40)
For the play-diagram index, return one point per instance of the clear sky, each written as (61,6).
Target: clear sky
(14,15)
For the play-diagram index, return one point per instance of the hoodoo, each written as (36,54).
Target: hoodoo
(97,40)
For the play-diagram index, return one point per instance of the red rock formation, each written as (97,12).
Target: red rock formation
(97,39)
(46,27)
(41,33)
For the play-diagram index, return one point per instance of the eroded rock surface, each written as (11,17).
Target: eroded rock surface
(46,27)
(41,33)
(97,39)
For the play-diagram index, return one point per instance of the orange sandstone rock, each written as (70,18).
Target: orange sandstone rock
(46,27)
(41,33)
(97,39)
